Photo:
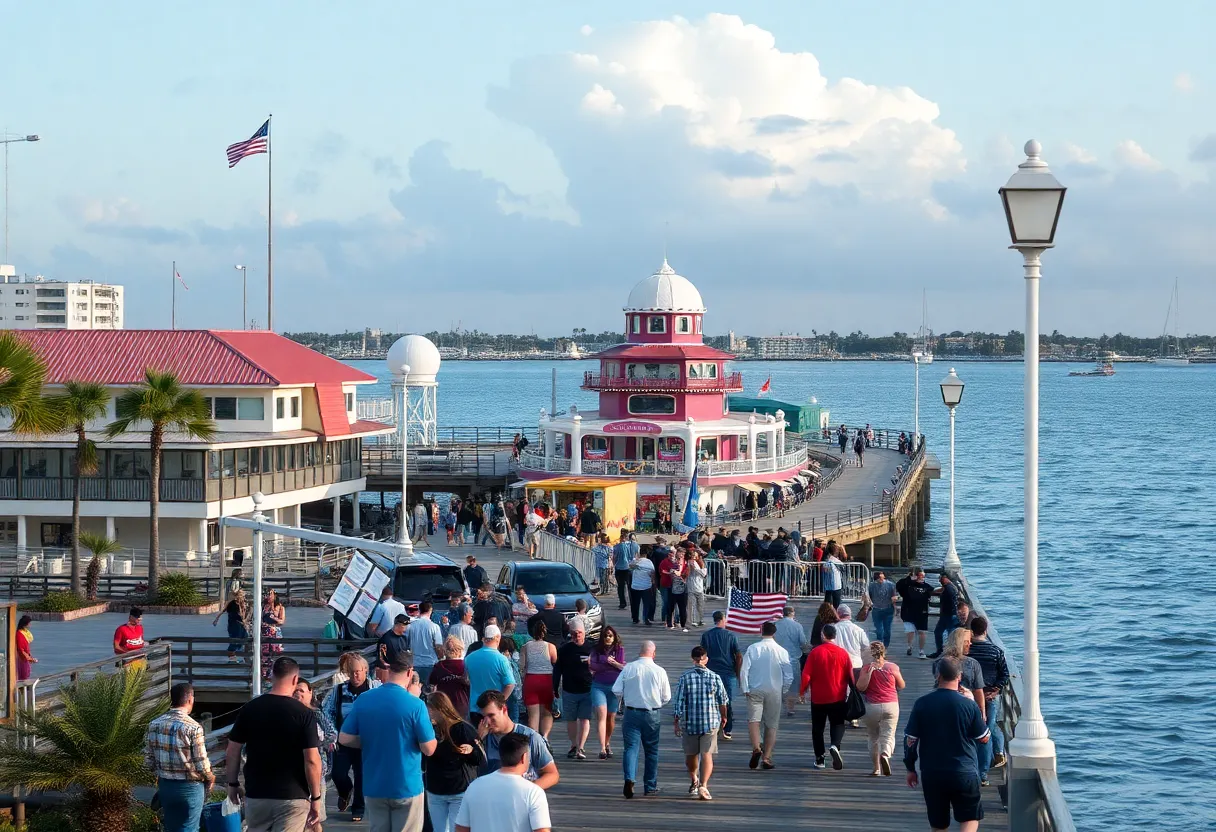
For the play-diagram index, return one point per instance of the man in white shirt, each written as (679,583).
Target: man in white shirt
(385,613)
(792,636)
(426,641)
(764,678)
(641,588)
(644,688)
(851,637)
(464,629)
(504,801)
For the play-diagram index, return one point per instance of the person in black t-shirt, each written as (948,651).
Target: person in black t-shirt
(572,678)
(914,595)
(283,771)
(393,642)
(453,766)
(487,606)
(589,524)
(947,613)
(474,575)
(943,732)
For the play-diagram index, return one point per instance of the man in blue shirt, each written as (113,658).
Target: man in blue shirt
(392,727)
(603,560)
(942,733)
(623,554)
(725,659)
(488,670)
(496,723)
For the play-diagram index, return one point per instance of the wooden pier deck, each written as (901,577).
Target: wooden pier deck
(794,795)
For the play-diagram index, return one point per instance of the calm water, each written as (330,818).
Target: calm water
(1127,485)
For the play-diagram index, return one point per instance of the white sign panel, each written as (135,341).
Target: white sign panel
(358,569)
(362,609)
(376,582)
(344,595)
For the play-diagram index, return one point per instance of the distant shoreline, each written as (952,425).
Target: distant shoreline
(960,359)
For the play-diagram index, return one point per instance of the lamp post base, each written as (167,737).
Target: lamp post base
(1029,760)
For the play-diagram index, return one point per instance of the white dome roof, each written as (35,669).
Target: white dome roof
(419,354)
(665,291)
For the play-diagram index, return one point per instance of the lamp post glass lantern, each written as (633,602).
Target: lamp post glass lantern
(952,394)
(1032,199)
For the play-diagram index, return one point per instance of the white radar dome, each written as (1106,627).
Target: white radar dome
(417,353)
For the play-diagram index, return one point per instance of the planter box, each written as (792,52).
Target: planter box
(71,615)
(209,608)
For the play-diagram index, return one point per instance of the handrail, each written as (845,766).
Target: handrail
(597,381)
(560,550)
(1053,811)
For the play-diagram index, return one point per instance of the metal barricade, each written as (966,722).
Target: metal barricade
(558,549)
(799,580)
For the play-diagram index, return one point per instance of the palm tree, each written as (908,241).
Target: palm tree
(94,744)
(158,404)
(100,546)
(22,374)
(81,403)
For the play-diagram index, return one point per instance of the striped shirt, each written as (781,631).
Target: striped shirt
(699,693)
(991,660)
(175,748)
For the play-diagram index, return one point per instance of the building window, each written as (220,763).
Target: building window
(251,407)
(683,324)
(295,407)
(652,405)
(666,371)
(225,407)
(705,370)
(656,325)
(278,407)
(697,319)
(350,402)
(637,324)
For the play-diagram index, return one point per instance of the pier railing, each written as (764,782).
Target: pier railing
(558,549)
(1050,811)
(203,660)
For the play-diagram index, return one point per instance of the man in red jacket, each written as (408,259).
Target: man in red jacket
(828,672)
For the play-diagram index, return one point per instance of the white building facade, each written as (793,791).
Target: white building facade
(53,304)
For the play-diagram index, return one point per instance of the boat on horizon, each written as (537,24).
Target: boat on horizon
(1101,368)
(921,353)
(1177,359)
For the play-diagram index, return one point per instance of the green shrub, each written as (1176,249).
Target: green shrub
(177,590)
(52,820)
(143,819)
(57,601)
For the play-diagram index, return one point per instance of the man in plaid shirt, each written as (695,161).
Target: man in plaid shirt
(700,702)
(177,755)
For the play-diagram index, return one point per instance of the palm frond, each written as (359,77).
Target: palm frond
(99,544)
(22,375)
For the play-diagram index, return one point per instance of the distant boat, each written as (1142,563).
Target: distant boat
(922,353)
(1176,358)
(1102,368)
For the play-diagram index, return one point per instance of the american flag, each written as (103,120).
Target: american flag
(746,612)
(179,280)
(259,142)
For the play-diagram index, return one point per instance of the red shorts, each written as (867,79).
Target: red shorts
(538,689)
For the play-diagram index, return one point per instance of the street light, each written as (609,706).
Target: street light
(244,270)
(916,406)
(6,140)
(1032,199)
(402,371)
(952,394)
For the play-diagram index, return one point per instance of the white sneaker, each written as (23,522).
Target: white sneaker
(922,655)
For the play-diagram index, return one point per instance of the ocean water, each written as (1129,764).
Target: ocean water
(1127,495)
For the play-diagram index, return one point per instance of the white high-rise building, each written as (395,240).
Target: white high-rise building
(36,303)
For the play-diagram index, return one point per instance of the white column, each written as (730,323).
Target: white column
(111,530)
(201,543)
(751,440)
(576,446)
(337,501)
(355,526)
(20,531)
(780,436)
(255,658)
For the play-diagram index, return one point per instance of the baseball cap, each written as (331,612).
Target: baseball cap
(491,631)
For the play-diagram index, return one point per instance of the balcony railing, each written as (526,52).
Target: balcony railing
(651,468)
(172,490)
(729,383)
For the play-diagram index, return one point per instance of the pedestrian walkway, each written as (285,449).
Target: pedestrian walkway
(792,796)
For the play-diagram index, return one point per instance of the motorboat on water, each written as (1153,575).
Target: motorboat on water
(1102,368)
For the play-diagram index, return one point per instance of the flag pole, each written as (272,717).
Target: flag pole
(269,224)
(173,306)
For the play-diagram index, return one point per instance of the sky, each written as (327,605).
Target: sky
(518,166)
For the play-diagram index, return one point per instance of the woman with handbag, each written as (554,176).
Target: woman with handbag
(881,682)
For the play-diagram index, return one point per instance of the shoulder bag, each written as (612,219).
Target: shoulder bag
(854,705)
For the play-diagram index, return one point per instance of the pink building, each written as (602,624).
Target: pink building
(663,409)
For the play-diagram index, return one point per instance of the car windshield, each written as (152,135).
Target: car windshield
(414,583)
(537,582)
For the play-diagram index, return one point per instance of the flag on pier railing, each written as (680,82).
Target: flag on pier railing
(259,142)
(767,386)
(746,612)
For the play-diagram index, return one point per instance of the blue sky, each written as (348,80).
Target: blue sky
(517,166)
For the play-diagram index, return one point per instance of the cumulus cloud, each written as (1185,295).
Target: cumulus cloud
(585,30)
(1132,155)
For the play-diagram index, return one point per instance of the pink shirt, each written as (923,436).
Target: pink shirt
(882,685)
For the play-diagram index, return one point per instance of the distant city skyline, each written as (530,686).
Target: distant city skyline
(501,166)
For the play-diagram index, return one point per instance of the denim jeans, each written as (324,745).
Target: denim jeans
(182,801)
(832,595)
(346,759)
(236,630)
(665,612)
(996,740)
(941,632)
(622,587)
(728,681)
(882,624)
(443,810)
(641,731)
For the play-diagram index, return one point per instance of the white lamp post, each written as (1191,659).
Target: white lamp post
(1032,199)
(6,140)
(952,394)
(403,533)
(916,406)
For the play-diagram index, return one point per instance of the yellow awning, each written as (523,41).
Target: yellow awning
(574,484)
(747,486)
